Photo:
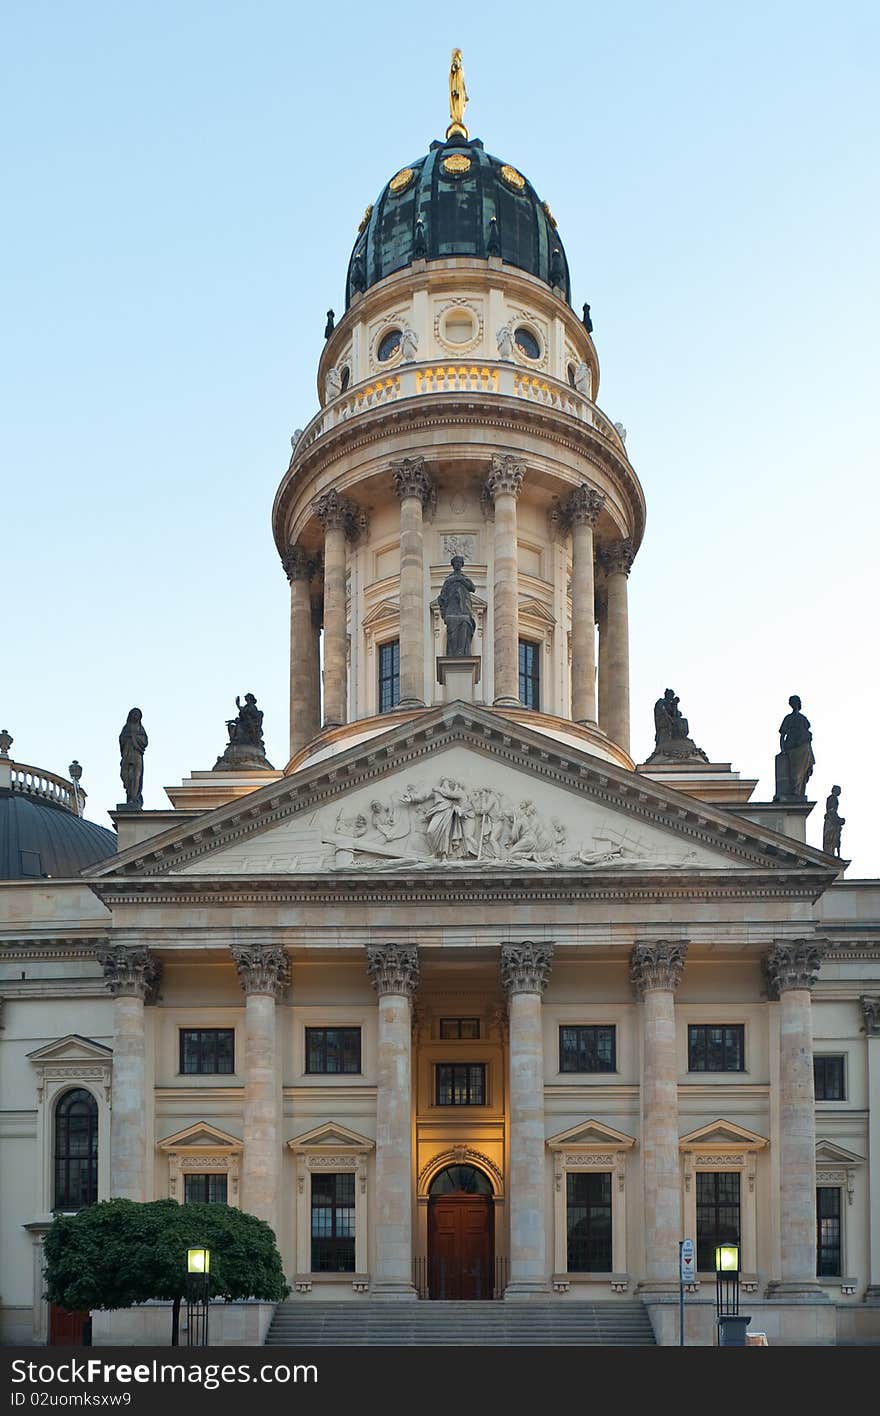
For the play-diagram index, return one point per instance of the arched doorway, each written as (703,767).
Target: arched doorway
(461,1234)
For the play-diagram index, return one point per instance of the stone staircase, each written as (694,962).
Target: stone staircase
(302,1323)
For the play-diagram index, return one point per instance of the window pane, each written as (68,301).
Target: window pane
(207,1050)
(333,1223)
(461,1084)
(389,675)
(529,674)
(716,1047)
(333,1050)
(828,1076)
(718,1214)
(588,1222)
(76,1150)
(587,1049)
(828,1230)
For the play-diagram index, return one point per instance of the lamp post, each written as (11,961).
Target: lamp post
(198,1287)
(731,1324)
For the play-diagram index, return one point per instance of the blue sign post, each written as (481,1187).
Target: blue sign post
(687,1272)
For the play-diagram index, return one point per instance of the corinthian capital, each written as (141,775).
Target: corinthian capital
(505,476)
(336,513)
(130,972)
(262,968)
(793,964)
(617,558)
(298,564)
(657,965)
(411,479)
(525,968)
(393,968)
(582,507)
(871,1014)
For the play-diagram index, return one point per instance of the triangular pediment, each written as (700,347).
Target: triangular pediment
(827,1153)
(383,613)
(330,1136)
(72,1048)
(590,1133)
(462,789)
(200,1135)
(722,1133)
(534,609)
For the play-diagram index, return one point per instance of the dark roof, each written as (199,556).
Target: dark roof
(455,192)
(39,839)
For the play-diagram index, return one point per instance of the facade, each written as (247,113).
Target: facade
(464,1002)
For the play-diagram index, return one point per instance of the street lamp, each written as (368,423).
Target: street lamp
(731,1324)
(198,1285)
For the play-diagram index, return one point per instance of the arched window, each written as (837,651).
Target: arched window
(461,1180)
(76,1150)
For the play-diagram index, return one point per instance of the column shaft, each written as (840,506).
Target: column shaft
(413,486)
(394,969)
(335,675)
(128,1156)
(261,1139)
(302,728)
(528,1263)
(871,1007)
(583,508)
(506,601)
(659,1143)
(312,670)
(797,1120)
(602,620)
(617,715)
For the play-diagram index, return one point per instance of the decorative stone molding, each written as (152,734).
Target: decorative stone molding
(298,563)
(836,1166)
(393,968)
(262,968)
(130,972)
(793,964)
(590,1146)
(505,477)
(60,1066)
(460,1154)
(334,1148)
(337,513)
(412,480)
(617,557)
(525,968)
(724,1146)
(871,1014)
(657,965)
(202,1149)
(582,507)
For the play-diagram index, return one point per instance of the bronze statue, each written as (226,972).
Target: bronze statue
(457,97)
(795,760)
(834,823)
(455,607)
(245,750)
(672,741)
(132,745)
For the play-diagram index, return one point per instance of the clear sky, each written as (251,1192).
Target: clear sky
(182,184)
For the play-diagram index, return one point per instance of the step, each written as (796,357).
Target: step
(428,1324)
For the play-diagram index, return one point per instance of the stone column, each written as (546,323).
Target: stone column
(132,976)
(299,567)
(264,972)
(655,971)
(602,635)
(414,488)
(581,511)
(525,970)
(394,970)
(871,1014)
(617,560)
(503,486)
(339,518)
(791,969)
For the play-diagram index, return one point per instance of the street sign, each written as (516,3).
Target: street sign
(687,1261)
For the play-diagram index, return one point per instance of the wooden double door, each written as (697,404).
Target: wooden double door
(461,1247)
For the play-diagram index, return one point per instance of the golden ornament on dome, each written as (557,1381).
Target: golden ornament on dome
(456,163)
(513,178)
(401,181)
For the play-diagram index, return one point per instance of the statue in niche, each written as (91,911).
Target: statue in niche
(795,760)
(457,611)
(672,741)
(505,343)
(245,749)
(133,742)
(409,344)
(583,380)
(834,823)
(332,384)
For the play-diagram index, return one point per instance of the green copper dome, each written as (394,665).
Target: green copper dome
(457,201)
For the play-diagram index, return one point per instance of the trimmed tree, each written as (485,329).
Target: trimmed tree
(119,1253)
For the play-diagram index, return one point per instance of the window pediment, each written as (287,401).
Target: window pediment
(200,1137)
(331,1137)
(725,1134)
(590,1135)
(70,1060)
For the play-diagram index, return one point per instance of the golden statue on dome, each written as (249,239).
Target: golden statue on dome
(457,97)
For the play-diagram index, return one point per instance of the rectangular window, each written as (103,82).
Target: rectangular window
(529,674)
(461,1084)
(828,1234)
(459,1029)
(204,1189)
(389,675)
(717,1214)
(204,1050)
(828,1078)
(587,1049)
(333,1223)
(588,1220)
(330,1050)
(717,1047)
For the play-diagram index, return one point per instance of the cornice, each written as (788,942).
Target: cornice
(505,413)
(772,855)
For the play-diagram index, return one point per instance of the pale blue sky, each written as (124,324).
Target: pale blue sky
(182,185)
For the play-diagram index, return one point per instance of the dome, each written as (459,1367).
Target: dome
(457,201)
(41,830)
(39,839)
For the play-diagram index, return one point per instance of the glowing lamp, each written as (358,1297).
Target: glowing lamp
(198,1260)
